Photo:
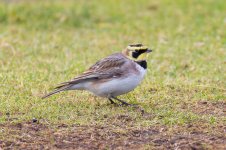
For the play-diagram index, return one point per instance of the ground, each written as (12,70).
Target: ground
(181,103)
(113,136)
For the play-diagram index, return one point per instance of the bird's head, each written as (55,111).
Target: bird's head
(136,52)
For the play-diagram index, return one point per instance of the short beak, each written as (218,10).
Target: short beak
(148,51)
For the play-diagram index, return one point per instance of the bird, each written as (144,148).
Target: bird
(111,76)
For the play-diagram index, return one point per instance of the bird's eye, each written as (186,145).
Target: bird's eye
(135,54)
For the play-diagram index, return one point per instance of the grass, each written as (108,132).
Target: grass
(47,42)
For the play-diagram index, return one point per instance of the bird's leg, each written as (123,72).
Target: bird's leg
(123,103)
(112,102)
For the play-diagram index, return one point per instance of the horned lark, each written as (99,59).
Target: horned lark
(112,76)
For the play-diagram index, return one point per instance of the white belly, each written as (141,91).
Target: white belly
(117,86)
(114,87)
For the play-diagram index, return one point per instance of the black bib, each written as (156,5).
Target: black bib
(142,63)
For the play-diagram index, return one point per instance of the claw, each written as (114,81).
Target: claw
(122,102)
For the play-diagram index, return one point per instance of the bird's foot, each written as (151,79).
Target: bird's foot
(112,102)
(125,104)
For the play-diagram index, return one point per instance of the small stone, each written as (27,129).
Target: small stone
(203,102)
(34,120)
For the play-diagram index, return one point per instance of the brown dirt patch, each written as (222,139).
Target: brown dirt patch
(203,107)
(211,108)
(39,136)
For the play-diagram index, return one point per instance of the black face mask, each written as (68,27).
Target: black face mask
(136,53)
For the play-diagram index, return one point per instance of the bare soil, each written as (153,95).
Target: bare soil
(119,134)
(40,136)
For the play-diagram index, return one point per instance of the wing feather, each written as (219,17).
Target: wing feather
(105,68)
(111,66)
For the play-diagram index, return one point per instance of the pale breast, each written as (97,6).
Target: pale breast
(118,86)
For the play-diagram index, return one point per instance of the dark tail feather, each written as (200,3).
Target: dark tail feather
(62,88)
(65,85)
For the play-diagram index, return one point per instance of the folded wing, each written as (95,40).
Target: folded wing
(108,67)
